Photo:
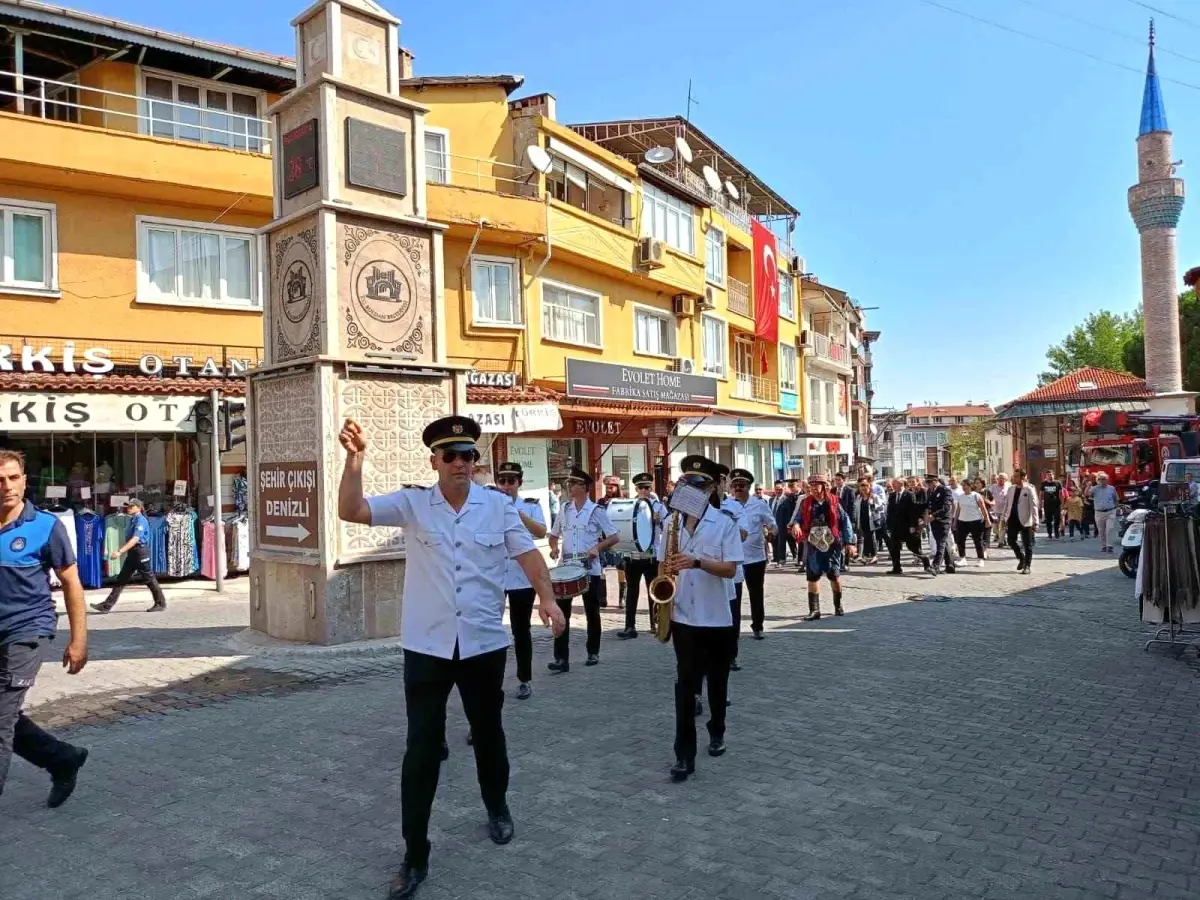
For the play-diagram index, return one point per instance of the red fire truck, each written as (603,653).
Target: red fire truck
(1129,447)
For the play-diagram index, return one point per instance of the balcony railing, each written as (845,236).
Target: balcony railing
(755,387)
(827,348)
(64,101)
(858,393)
(481,174)
(729,208)
(740,299)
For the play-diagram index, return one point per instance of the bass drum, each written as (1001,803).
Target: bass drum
(634,521)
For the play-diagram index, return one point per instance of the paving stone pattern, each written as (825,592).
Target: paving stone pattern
(1013,741)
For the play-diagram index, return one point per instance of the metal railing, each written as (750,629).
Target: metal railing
(65,101)
(480,173)
(730,209)
(740,299)
(828,348)
(755,387)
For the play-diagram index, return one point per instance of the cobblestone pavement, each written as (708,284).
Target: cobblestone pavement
(1013,741)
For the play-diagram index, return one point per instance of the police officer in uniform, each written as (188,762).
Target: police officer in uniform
(459,538)
(758,523)
(642,567)
(585,532)
(32,543)
(509,478)
(939,509)
(136,551)
(709,551)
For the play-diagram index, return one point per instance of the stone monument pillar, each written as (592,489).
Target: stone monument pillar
(352,328)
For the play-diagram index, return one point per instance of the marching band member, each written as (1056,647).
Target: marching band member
(758,522)
(639,568)
(585,532)
(825,527)
(509,478)
(708,552)
(460,536)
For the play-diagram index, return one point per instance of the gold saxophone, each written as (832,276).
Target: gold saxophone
(662,588)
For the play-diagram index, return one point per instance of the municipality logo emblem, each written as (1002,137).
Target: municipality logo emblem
(17,545)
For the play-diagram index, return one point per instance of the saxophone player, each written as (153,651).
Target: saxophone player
(703,561)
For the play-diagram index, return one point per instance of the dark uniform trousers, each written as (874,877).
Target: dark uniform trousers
(427,684)
(637,570)
(520,617)
(1020,539)
(939,530)
(19,664)
(592,598)
(700,653)
(755,574)
(137,562)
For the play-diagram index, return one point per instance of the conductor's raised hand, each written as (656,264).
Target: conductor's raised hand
(352,438)
(552,617)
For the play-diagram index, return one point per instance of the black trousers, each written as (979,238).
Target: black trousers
(19,664)
(520,618)
(1053,513)
(940,531)
(700,653)
(136,564)
(755,575)
(427,684)
(591,610)
(637,571)
(866,543)
(1089,519)
(1018,532)
(973,530)
(900,538)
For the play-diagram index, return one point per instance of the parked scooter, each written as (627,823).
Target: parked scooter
(1132,527)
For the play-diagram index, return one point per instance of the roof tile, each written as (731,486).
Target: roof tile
(1108,385)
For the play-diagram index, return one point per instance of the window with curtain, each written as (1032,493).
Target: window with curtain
(570,315)
(654,332)
(437,157)
(714,256)
(814,401)
(580,188)
(494,284)
(715,345)
(26,240)
(206,112)
(787,368)
(671,220)
(204,265)
(787,297)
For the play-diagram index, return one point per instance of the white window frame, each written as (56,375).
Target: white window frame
(815,401)
(48,212)
(714,266)
(672,330)
(444,133)
(144,101)
(789,359)
(574,289)
(653,196)
(721,371)
(514,282)
(790,312)
(148,296)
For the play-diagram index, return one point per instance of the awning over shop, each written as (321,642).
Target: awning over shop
(1069,408)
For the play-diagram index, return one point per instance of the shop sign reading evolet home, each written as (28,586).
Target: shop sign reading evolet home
(36,412)
(606,381)
(98,361)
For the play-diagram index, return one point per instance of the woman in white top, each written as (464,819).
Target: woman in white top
(970,518)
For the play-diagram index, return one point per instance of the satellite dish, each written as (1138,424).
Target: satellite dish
(684,151)
(731,190)
(539,158)
(712,178)
(656,156)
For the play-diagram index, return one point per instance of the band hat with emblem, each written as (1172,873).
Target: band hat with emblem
(645,478)
(741,475)
(701,465)
(722,469)
(932,476)
(578,476)
(510,468)
(451,433)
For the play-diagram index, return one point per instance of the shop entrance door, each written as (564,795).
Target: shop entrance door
(624,461)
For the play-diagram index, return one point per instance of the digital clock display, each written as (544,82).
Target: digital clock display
(301,160)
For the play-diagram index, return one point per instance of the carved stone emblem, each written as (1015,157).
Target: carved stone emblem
(386,275)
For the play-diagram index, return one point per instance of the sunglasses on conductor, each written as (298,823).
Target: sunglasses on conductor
(449,456)
(507,479)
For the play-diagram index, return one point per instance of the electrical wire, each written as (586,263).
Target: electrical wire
(1163,12)
(1104,28)
(1050,43)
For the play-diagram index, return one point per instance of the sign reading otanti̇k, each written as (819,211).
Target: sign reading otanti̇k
(287,505)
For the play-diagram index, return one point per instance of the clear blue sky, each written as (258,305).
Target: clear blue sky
(968,181)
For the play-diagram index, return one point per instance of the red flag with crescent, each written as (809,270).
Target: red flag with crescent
(766,283)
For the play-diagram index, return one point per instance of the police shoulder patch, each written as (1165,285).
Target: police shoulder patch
(17,545)
(531,500)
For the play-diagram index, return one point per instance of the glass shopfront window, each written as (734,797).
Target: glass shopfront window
(562,455)
(624,461)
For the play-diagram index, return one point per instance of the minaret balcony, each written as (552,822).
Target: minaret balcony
(1156,204)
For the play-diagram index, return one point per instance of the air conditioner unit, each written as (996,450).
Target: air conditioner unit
(684,305)
(651,253)
(803,342)
(710,298)
(796,261)
(680,364)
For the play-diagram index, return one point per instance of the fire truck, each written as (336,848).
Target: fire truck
(1130,447)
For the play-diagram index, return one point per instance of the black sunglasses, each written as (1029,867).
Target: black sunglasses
(449,456)
(507,479)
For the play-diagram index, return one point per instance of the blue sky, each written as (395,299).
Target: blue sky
(967,181)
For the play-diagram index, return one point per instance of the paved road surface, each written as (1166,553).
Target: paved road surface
(1005,738)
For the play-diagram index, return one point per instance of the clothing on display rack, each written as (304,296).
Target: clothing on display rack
(1169,557)
(156,462)
(208,550)
(67,517)
(89,539)
(115,526)
(183,556)
(241,490)
(237,542)
(158,544)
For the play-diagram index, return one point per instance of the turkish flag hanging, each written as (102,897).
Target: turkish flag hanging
(766,283)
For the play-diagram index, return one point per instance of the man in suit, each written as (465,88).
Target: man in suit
(904,514)
(784,509)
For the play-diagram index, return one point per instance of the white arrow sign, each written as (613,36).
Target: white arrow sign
(297,531)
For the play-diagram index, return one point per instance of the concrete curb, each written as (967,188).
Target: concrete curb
(255,643)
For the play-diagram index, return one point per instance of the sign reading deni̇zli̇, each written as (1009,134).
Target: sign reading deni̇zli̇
(287,505)
(608,381)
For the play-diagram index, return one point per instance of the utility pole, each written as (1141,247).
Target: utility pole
(214,449)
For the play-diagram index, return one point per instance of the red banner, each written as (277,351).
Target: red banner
(766,283)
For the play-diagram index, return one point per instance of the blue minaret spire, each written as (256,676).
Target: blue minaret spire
(1154,116)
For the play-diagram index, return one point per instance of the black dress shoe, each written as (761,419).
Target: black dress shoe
(101,607)
(406,882)
(593,659)
(758,635)
(559,665)
(63,779)
(682,769)
(716,747)
(627,633)
(500,827)
(895,571)
(158,607)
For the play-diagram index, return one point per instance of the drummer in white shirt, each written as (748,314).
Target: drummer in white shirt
(734,507)
(637,567)
(757,521)
(585,532)
(509,477)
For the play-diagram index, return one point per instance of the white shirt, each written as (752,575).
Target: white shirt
(970,506)
(515,578)
(757,517)
(702,599)
(454,576)
(663,515)
(735,509)
(582,529)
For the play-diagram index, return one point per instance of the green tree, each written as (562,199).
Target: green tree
(1134,355)
(1100,340)
(966,443)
